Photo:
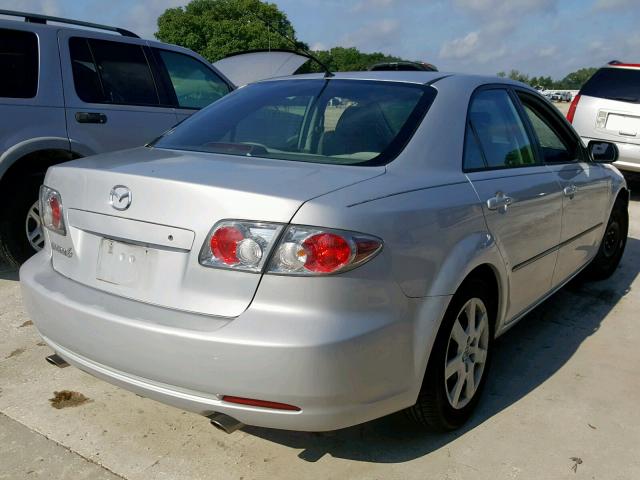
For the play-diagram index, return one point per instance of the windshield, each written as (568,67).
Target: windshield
(614,84)
(351,122)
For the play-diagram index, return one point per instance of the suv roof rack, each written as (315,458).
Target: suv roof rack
(43,19)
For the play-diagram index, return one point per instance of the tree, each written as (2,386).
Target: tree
(575,80)
(216,28)
(342,59)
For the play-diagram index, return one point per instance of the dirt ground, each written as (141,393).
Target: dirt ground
(562,403)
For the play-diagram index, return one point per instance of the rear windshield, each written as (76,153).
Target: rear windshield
(351,122)
(614,84)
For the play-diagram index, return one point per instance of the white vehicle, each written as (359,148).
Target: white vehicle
(608,108)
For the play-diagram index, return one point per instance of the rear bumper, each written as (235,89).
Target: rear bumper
(340,367)
(629,155)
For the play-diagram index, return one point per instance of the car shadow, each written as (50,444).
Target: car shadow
(7,272)
(526,356)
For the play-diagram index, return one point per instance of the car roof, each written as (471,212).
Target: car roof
(415,77)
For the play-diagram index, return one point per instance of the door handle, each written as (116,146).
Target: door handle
(570,191)
(90,117)
(500,202)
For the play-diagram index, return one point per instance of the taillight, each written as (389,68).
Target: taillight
(247,246)
(572,108)
(312,251)
(51,211)
(239,245)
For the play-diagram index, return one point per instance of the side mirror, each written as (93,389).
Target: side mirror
(603,152)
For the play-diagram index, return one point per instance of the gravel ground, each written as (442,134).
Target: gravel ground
(562,403)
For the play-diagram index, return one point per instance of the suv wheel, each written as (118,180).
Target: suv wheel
(20,230)
(459,362)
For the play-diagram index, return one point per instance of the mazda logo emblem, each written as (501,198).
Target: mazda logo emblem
(120,197)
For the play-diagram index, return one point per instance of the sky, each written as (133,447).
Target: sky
(538,37)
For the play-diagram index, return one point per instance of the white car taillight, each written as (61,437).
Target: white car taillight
(247,246)
(239,245)
(51,211)
(318,251)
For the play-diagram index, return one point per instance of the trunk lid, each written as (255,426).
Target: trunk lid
(149,252)
(248,67)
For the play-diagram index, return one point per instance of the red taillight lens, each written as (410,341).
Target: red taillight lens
(239,245)
(224,243)
(572,108)
(56,212)
(51,211)
(315,251)
(260,403)
(246,246)
(326,252)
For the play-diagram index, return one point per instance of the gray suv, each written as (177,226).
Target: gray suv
(68,92)
(608,108)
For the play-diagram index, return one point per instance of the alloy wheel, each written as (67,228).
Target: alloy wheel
(466,353)
(33,227)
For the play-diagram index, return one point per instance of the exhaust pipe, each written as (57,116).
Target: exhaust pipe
(224,422)
(57,361)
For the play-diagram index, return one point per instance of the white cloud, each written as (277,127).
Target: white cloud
(548,51)
(461,47)
(375,35)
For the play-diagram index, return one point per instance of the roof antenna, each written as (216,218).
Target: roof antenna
(296,45)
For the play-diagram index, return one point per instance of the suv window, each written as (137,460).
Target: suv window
(556,147)
(500,130)
(620,84)
(112,72)
(195,84)
(18,64)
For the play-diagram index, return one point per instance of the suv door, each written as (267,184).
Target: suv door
(112,99)
(585,185)
(521,198)
(191,84)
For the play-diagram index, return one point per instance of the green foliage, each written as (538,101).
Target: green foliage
(342,59)
(216,28)
(572,81)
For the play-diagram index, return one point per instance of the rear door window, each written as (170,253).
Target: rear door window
(556,145)
(195,84)
(112,72)
(500,131)
(619,84)
(18,64)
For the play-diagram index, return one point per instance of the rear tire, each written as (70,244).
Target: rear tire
(612,245)
(15,247)
(459,362)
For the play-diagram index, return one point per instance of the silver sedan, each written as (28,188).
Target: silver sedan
(313,252)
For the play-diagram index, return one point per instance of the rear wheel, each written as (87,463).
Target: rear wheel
(20,230)
(459,362)
(612,246)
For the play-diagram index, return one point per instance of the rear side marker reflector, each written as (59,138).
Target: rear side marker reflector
(260,403)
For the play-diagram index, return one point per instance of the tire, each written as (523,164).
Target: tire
(15,247)
(612,245)
(436,407)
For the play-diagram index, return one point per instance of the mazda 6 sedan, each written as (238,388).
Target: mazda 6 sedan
(313,252)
